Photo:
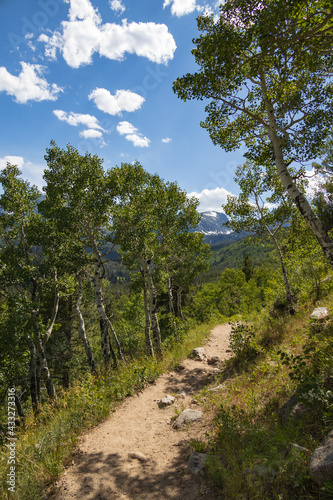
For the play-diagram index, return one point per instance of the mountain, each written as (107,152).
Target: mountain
(211,225)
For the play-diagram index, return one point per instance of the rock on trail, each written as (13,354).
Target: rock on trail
(187,417)
(137,453)
(167,401)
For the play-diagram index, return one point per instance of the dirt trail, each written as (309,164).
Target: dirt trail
(102,468)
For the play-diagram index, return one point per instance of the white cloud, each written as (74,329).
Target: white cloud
(82,9)
(211,199)
(166,140)
(29,85)
(84,34)
(123,100)
(80,41)
(132,134)
(31,46)
(14,160)
(149,40)
(93,131)
(180,7)
(124,128)
(314,180)
(205,10)
(91,134)
(138,140)
(30,171)
(76,119)
(52,44)
(117,6)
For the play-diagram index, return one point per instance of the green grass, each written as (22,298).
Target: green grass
(252,453)
(48,441)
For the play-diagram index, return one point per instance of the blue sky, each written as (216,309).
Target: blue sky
(98,74)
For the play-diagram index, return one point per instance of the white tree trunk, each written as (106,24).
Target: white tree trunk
(284,275)
(170,295)
(179,303)
(149,344)
(315,224)
(171,306)
(51,392)
(33,374)
(107,350)
(152,302)
(82,331)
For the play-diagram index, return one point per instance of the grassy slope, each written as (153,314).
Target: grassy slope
(251,452)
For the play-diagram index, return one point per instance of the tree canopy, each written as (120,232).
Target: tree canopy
(266,68)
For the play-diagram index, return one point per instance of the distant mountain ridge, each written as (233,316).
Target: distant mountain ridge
(212,223)
(212,226)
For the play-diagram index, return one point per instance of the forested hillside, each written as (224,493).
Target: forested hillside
(245,252)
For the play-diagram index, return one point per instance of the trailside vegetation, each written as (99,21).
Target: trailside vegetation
(256,212)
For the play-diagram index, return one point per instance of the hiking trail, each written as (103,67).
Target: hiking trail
(137,453)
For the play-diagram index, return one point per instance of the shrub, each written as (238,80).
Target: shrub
(243,341)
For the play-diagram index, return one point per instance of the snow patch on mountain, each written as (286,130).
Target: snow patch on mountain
(213,223)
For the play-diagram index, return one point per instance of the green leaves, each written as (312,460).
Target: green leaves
(149,214)
(265,52)
(261,206)
(77,193)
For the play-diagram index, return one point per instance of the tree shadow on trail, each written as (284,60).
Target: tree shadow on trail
(109,477)
(191,381)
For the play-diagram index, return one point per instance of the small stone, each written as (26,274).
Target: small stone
(138,456)
(213,360)
(197,462)
(216,388)
(167,401)
(293,410)
(320,313)
(198,353)
(187,417)
(228,350)
(321,462)
(300,448)
(182,395)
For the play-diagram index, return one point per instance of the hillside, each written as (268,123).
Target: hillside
(232,255)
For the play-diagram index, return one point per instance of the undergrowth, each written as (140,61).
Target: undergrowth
(255,450)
